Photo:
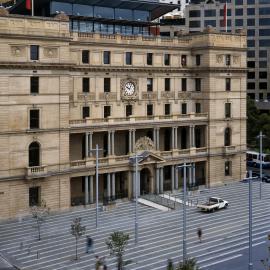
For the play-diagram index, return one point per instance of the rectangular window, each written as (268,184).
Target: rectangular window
(34,196)
(107,85)
(184,108)
(149,59)
(149,109)
(167,83)
(106,57)
(228,59)
(167,58)
(198,60)
(34,85)
(128,58)
(86,112)
(198,107)
(167,109)
(85,57)
(227,110)
(128,110)
(34,119)
(228,168)
(198,84)
(149,84)
(184,84)
(228,84)
(107,111)
(34,52)
(183,60)
(86,85)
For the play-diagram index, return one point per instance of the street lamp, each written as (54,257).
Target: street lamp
(185,166)
(249,179)
(136,157)
(261,136)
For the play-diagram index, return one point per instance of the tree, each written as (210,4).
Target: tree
(190,264)
(77,230)
(117,243)
(39,214)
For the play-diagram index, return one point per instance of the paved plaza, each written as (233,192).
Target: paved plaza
(225,235)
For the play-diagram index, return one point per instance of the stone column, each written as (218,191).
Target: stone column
(134,183)
(176,185)
(176,138)
(190,175)
(130,141)
(109,143)
(194,174)
(172,138)
(86,145)
(155,138)
(133,140)
(108,185)
(91,194)
(86,188)
(191,136)
(161,187)
(157,180)
(172,177)
(90,144)
(113,185)
(112,138)
(158,146)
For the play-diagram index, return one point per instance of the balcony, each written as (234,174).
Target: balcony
(36,172)
(138,119)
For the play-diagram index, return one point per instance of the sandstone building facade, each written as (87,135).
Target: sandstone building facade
(63,92)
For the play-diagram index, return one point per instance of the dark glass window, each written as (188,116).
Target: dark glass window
(251,75)
(251,85)
(210,22)
(123,14)
(167,59)
(34,119)
(149,59)
(251,95)
(251,32)
(264,11)
(262,53)
(228,168)
(198,60)
(107,57)
(194,24)
(238,2)
(167,109)
(107,111)
(228,84)
(228,59)
(34,154)
(260,96)
(250,2)
(210,13)
(82,10)
(183,60)
(262,75)
(238,12)
(251,43)
(263,85)
(264,32)
(149,84)
(250,11)
(107,85)
(85,57)
(103,12)
(85,111)
(194,13)
(184,108)
(198,107)
(251,54)
(34,196)
(149,109)
(128,110)
(251,64)
(128,58)
(264,21)
(198,84)
(263,64)
(239,22)
(34,52)
(86,85)
(227,110)
(167,83)
(227,137)
(184,84)
(250,22)
(57,7)
(34,85)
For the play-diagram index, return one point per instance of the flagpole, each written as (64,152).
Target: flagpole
(32,10)
(226,23)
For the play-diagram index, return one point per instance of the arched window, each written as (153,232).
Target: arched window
(34,154)
(227,137)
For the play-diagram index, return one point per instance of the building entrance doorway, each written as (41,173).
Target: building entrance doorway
(145,181)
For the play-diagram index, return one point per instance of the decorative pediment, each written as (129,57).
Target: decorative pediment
(147,157)
(144,144)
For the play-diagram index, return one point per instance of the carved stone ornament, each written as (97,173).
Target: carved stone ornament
(144,144)
(219,58)
(18,50)
(129,89)
(50,52)
(236,59)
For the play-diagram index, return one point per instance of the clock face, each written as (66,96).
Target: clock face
(129,88)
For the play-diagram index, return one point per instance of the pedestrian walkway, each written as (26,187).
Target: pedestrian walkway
(225,234)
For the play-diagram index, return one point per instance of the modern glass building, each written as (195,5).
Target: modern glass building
(129,17)
(251,15)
